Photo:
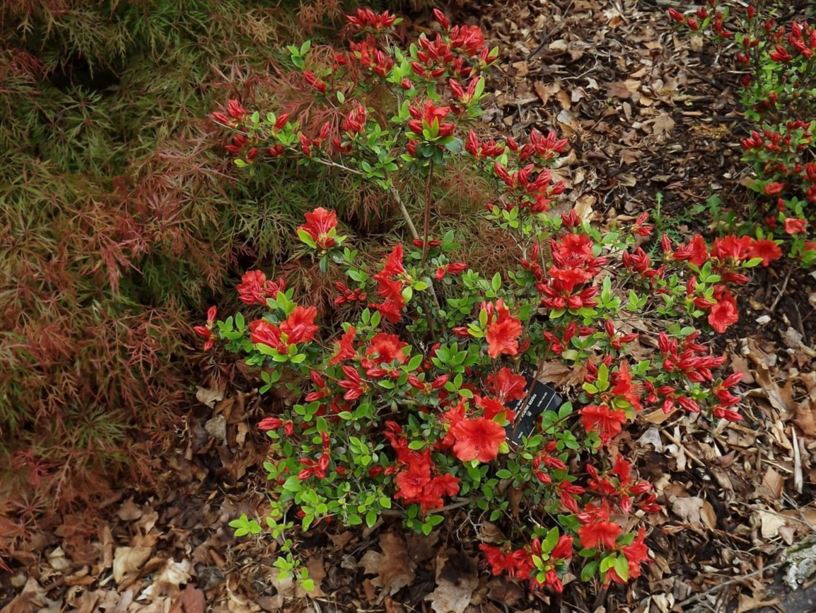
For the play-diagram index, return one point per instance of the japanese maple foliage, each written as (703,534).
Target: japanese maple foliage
(406,401)
(778,98)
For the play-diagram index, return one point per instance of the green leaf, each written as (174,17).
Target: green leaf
(622,567)
(589,571)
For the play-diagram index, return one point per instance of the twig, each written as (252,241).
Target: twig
(701,595)
(797,463)
(782,290)
(404,211)
(677,442)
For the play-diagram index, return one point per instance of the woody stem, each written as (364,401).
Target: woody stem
(426,222)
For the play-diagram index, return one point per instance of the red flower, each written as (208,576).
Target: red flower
(596,530)
(795,225)
(606,421)
(299,327)
(321,226)
(695,251)
(636,553)
(766,249)
(507,385)
(477,439)
(774,189)
(389,288)
(723,313)
(430,117)
(366,18)
(737,248)
(255,288)
(262,332)
(454,268)
(503,330)
(206,332)
(386,348)
(345,346)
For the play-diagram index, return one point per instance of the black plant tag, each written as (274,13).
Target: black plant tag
(540,397)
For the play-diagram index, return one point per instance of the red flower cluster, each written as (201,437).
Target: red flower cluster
(321,226)
(416,482)
(255,288)
(390,284)
(521,563)
(206,331)
(298,328)
(573,266)
(366,19)
(427,121)
(502,330)
(235,112)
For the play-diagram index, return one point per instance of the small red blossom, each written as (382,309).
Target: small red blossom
(795,225)
(299,327)
(724,313)
(477,439)
(503,330)
(606,421)
(206,331)
(321,225)
(255,288)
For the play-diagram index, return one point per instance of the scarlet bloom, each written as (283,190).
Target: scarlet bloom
(507,385)
(766,249)
(262,332)
(477,439)
(795,225)
(299,327)
(774,189)
(723,313)
(345,346)
(321,226)
(503,330)
(255,288)
(605,420)
(695,251)
(206,332)
(386,348)
(596,530)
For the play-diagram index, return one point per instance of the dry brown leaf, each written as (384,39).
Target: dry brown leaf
(583,206)
(191,600)
(559,373)
(772,485)
(208,396)
(663,125)
(393,567)
(623,89)
(805,418)
(170,579)
(695,511)
(456,580)
(129,511)
(128,560)
(317,572)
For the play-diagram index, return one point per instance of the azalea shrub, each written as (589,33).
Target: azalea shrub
(411,396)
(778,98)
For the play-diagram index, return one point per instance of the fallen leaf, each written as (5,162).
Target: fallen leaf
(208,396)
(695,511)
(769,524)
(127,561)
(393,567)
(169,580)
(663,124)
(191,600)
(317,572)
(456,580)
